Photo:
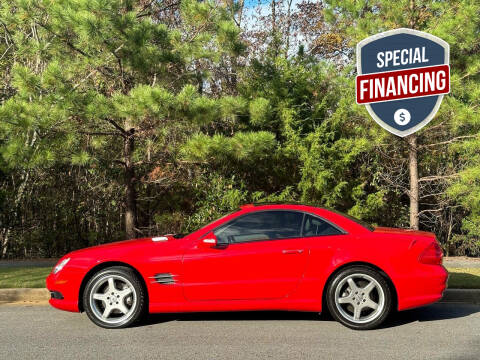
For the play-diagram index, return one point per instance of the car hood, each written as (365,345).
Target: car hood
(129,245)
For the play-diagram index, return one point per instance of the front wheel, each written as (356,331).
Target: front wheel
(114,298)
(359,297)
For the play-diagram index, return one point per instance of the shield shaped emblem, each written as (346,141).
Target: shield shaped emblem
(403,75)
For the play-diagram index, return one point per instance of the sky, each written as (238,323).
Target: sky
(253,3)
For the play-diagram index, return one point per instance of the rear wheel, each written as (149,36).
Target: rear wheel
(359,297)
(114,298)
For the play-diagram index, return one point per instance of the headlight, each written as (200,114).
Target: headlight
(60,265)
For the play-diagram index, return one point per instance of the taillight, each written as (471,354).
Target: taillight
(431,255)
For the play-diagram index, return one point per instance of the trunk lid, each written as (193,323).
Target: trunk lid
(387,230)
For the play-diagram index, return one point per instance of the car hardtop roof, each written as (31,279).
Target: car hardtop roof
(274,204)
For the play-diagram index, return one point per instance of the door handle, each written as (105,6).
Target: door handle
(296,251)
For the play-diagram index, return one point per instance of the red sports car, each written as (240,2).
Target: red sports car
(261,257)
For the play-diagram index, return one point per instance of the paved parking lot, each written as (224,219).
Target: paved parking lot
(441,331)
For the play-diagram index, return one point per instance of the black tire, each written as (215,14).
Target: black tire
(381,295)
(122,276)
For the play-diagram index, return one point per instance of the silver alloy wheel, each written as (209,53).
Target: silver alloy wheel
(359,298)
(113,299)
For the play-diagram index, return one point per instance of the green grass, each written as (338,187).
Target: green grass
(34,277)
(464,278)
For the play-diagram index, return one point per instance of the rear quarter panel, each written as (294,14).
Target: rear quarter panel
(394,254)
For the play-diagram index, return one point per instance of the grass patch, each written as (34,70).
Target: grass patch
(34,277)
(464,278)
(31,277)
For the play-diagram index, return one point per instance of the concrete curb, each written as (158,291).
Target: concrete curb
(18,295)
(42,295)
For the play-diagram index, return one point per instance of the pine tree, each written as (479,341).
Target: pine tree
(99,83)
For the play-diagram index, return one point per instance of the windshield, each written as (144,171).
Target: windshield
(210,223)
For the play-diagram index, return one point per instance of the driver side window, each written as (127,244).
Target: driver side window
(262,225)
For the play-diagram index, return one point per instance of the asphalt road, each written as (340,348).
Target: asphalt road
(461,262)
(441,331)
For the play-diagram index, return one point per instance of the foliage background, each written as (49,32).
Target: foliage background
(124,118)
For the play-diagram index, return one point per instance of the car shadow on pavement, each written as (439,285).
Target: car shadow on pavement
(435,312)
(429,313)
(233,316)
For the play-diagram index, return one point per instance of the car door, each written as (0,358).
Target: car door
(264,257)
(322,238)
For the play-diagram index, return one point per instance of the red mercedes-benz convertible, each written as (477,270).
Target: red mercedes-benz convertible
(261,257)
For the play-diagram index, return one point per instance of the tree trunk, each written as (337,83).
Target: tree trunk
(289,25)
(413,169)
(130,193)
(413,155)
(274,16)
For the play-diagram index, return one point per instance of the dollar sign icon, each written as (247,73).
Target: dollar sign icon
(402,117)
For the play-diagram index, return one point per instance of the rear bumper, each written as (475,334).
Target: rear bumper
(67,288)
(424,287)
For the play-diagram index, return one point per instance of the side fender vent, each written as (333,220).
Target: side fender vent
(163,278)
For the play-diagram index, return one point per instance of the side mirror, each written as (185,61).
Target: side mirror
(211,241)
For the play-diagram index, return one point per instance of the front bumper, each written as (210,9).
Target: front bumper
(56,295)
(65,290)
